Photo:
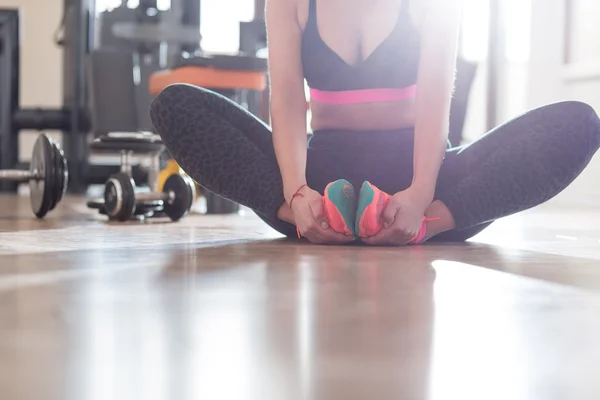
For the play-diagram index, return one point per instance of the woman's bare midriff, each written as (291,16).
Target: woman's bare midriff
(364,117)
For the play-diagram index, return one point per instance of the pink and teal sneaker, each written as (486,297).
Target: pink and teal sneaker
(339,204)
(371,203)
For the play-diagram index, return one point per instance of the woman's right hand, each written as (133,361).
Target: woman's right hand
(311,221)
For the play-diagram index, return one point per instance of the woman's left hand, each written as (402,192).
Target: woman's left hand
(402,219)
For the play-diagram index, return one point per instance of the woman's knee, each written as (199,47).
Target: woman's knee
(574,112)
(179,108)
(176,98)
(571,118)
(586,118)
(165,105)
(577,110)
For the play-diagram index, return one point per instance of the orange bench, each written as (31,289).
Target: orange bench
(208,77)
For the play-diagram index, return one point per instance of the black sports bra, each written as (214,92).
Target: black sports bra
(392,65)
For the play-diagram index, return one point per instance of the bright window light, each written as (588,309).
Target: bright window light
(518,25)
(220,21)
(474,42)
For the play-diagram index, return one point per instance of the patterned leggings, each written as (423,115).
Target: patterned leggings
(516,166)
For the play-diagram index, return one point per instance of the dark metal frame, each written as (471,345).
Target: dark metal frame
(76,44)
(191,16)
(9,92)
(259,9)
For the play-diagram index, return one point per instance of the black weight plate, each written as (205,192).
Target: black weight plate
(182,189)
(42,167)
(56,177)
(119,197)
(63,172)
(52,181)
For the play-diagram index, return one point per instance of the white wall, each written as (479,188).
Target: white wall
(512,80)
(550,79)
(533,72)
(220,21)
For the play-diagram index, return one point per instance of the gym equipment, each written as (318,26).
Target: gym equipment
(47,176)
(81,32)
(144,39)
(123,200)
(108,59)
(171,168)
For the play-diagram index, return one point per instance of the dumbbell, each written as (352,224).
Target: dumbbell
(48,176)
(121,198)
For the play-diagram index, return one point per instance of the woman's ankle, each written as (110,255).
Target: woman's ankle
(442,219)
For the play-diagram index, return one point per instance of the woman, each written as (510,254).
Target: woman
(381,78)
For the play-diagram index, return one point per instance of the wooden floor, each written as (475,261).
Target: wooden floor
(222,308)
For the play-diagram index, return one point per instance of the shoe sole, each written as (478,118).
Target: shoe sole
(340,214)
(367,212)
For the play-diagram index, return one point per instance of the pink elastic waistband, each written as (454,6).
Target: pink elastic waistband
(363,96)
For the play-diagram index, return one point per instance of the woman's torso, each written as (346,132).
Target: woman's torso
(360,58)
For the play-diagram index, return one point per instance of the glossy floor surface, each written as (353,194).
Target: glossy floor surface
(222,308)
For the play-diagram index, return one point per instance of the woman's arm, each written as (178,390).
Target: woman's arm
(439,42)
(403,216)
(288,115)
(288,101)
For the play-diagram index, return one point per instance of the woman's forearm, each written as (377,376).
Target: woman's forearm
(432,123)
(288,102)
(290,142)
(439,42)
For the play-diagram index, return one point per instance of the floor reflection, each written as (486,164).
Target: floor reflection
(499,336)
(256,327)
(285,320)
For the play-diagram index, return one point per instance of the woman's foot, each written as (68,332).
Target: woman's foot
(371,203)
(437,219)
(339,206)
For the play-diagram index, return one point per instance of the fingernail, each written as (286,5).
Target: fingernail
(324,225)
